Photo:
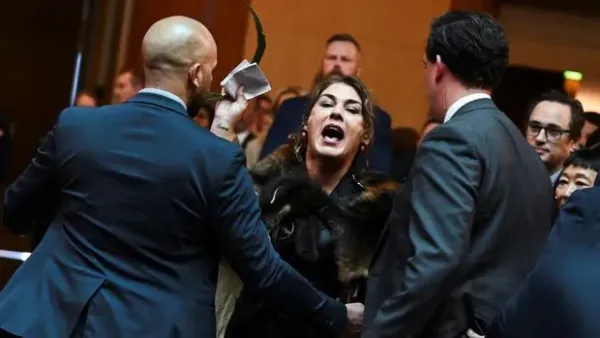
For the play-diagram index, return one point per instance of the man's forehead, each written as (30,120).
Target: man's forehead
(552,112)
(341,48)
(124,76)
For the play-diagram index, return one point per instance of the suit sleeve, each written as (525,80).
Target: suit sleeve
(381,152)
(541,298)
(444,186)
(570,226)
(246,246)
(35,190)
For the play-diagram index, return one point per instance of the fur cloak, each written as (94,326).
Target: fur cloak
(294,205)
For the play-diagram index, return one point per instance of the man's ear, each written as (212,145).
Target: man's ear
(195,75)
(440,69)
(574,146)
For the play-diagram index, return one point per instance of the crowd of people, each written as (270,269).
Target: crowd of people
(168,216)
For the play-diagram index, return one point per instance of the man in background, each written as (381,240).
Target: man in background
(86,99)
(591,126)
(127,84)
(554,129)
(467,225)
(342,55)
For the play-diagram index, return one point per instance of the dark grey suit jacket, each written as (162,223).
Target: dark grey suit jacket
(463,233)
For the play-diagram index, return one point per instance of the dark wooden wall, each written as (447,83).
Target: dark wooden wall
(226,19)
(38,41)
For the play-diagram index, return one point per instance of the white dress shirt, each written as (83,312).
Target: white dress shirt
(554,176)
(462,102)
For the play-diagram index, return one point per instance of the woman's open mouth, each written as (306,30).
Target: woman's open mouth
(332,134)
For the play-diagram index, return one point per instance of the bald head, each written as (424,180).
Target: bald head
(177,42)
(180,55)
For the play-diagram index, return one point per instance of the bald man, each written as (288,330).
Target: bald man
(148,202)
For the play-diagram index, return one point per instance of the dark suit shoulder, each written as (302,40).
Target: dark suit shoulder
(74,113)
(487,128)
(382,114)
(583,198)
(578,223)
(452,131)
(294,105)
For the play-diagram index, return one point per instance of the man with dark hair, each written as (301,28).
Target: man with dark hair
(554,129)
(342,56)
(591,125)
(127,84)
(476,207)
(344,37)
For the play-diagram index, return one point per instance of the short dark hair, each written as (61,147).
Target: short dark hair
(472,45)
(344,37)
(577,117)
(137,79)
(593,140)
(586,158)
(592,117)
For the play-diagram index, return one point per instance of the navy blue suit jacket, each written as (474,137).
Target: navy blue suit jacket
(289,119)
(560,297)
(147,204)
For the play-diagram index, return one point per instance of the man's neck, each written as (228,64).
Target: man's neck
(169,83)
(328,172)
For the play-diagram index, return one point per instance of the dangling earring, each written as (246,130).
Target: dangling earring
(363,147)
(303,135)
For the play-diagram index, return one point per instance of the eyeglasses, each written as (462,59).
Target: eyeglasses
(553,132)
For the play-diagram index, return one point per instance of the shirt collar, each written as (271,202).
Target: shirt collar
(164,93)
(555,176)
(462,102)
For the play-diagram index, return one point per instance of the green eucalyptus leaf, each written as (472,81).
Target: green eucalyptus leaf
(213,98)
(261,40)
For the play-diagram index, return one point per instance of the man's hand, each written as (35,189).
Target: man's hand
(472,334)
(227,113)
(355,316)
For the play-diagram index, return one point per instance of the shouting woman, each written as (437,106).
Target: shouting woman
(324,210)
